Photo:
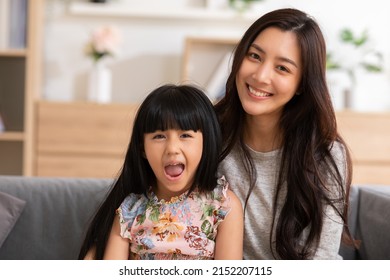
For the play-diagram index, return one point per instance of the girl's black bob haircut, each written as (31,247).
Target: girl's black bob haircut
(182,107)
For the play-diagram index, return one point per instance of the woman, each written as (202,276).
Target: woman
(282,153)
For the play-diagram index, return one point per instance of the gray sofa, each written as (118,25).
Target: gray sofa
(52,214)
(55,216)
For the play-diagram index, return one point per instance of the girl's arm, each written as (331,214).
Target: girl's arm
(117,246)
(90,254)
(229,240)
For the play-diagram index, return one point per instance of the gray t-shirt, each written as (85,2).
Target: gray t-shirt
(259,209)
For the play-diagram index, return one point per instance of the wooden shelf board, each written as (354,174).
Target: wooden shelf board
(134,11)
(13,52)
(11,136)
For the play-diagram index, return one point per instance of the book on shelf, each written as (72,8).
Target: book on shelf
(13,24)
(4,23)
(216,85)
(18,24)
(2,127)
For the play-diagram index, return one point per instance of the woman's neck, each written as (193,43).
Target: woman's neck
(262,134)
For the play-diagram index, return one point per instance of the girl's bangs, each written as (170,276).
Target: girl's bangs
(172,116)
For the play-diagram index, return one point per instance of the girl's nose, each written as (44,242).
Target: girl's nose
(173,146)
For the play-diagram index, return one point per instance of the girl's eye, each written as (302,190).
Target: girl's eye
(158,136)
(186,135)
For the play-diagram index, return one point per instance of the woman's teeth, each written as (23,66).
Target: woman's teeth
(258,93)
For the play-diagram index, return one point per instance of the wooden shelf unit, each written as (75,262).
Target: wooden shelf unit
(20,80)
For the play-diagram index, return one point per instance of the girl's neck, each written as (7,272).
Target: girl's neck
(262,134)
(167,195)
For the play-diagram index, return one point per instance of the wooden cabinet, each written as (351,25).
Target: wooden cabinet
(368,137)
(20,85)
(82,139)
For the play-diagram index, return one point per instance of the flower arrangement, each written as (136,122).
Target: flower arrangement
(104,41)
(357,53)
(354,54)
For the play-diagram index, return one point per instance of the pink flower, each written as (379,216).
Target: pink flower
(104,41)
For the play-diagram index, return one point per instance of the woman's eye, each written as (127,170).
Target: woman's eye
(254,56)
(282,68)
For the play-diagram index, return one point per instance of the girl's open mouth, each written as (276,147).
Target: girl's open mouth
(174,170)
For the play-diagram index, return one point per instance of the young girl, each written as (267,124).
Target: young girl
(167,202)
(283,153)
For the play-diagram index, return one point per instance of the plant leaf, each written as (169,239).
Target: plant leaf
(371,67)
(346,35)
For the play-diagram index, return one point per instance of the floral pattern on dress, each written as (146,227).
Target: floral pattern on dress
(183,228)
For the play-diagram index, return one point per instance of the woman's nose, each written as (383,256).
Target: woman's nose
(262,73)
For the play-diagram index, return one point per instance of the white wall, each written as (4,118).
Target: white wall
(152,49)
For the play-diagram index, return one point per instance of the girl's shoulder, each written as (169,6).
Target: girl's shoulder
(218,198)
(225,194)
(220,192)
(132,205)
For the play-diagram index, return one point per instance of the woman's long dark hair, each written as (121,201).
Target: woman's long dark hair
(309,128)
(168,107)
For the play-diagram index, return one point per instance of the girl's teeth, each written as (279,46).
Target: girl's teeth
(258,93)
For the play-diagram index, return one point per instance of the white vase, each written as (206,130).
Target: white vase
(99,84)
(217,4)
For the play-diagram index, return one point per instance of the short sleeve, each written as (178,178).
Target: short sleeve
(221,201)
(132,206)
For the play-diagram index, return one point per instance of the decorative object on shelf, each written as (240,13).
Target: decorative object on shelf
(242,5)
(2,126)
(99,83)
(355,55)
(104,42)
(216,4)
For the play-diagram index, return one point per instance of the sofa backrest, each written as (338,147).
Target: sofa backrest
(58,211)
(56,215)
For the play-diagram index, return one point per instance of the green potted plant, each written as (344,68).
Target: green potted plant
(242,5)
(356,55)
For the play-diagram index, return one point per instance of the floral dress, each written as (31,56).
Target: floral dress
(183,228)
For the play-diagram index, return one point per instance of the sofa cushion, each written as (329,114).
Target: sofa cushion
(374,222)
(10,209)
(55,218)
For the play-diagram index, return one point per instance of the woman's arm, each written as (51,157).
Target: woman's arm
(332,228)
(229,240)
(117,246)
